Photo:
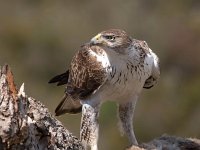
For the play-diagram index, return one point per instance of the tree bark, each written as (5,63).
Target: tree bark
(26,124)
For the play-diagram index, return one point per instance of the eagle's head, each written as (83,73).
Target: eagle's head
(114,39)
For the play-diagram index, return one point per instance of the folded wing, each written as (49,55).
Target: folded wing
(84,77)
(155,75)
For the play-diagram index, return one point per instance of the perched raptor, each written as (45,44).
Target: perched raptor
(112,66)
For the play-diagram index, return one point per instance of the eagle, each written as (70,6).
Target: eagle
(111,66)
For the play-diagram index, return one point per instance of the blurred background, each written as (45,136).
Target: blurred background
(39,37)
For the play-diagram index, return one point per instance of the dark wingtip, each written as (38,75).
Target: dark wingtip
(54,79)
(51,81)
(61,78)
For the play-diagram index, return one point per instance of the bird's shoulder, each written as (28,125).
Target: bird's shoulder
(141,46)
(148,57)
(87,71)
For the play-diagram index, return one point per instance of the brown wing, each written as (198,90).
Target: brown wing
(67,104)
(144,49)
(86,74)
(83,78)
(152,80)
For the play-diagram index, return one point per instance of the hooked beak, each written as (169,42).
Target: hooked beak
(96,40)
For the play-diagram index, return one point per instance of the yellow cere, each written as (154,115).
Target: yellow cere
(97,37)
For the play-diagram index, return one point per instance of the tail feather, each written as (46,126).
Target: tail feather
(68,105)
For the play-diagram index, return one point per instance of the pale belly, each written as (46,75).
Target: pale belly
(121,91)
(123,83)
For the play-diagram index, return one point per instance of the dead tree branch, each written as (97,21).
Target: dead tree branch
(25,123)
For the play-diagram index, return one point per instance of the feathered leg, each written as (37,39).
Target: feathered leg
(126,111)
(89,129)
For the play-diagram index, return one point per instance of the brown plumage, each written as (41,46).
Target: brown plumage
(86,74)
(82,79)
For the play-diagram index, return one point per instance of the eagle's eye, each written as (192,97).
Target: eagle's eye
(109,37)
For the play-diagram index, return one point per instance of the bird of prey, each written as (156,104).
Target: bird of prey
(112,66)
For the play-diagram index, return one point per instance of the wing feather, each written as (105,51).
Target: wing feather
(86,73)
(152,80)
(60,79)
(68,105)
(85,76)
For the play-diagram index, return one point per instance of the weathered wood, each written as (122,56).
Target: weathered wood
(25,123)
